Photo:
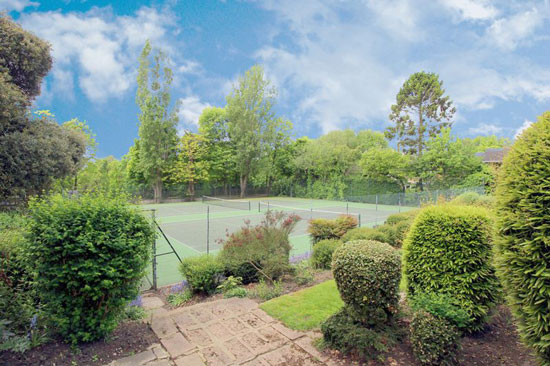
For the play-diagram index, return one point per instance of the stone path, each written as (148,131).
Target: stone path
(224,333)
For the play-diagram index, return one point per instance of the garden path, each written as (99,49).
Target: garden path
(223,333)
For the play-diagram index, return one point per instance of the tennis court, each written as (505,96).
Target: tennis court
(194,228)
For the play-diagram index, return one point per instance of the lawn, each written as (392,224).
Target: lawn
(305,309)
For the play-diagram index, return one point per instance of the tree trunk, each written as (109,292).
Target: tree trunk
(420,142)
(268,186)
(157,189)
(244,181)
(191,189)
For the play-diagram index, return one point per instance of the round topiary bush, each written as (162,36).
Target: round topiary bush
(448,250)
(88,255)
(322,253)
(367,274)
(523,217)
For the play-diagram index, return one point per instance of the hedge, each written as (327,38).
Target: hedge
(323,229)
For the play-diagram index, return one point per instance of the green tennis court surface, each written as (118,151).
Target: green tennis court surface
(194,228)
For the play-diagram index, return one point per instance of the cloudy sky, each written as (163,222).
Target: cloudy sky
(337,64)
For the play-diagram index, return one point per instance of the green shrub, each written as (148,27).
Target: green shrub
(230,283)
(261,250)
(266,291)
(474,199)
(523,217)
(325,229)
(434,341)
(344,333)
(89,255)
(367,274)
(448,250)
(203,273)
(365,233)
(407,216)
(302,273)
(134,313)
(236,292)
(389,232)
(179,298)
(442,306)
(322,253)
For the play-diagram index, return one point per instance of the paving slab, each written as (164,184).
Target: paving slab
(193,359)
(177,345)
(151,302)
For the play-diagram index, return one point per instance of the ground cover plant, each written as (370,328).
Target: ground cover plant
(305,309)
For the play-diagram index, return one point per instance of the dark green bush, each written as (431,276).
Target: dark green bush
(260,251)
(523,217)
(367,274)
(366,233)
(322,253)
(474,199)
(325,229)
(344,333)
(448,250)
(434,341)
(203,273)
(89,255)
(442,306)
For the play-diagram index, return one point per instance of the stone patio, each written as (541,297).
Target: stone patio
(223,333)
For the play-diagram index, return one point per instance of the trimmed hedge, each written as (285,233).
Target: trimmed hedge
(365,233)
(523,217)
(203,273)
(442,306)
(434,341)
(88,255)
(448,250)
(322,253)
(407,216)
(324,229)
(367,274)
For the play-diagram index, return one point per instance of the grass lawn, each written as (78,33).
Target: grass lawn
(305,309)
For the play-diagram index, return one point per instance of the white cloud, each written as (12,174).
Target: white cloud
(190,110)
(508,33)
(99,48)
(17,5)
(526,124)
(471,9)
(190,67)
(485,129)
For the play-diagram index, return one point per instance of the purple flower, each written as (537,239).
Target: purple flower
(298,258)
(34,320)
(179,287)
(137,302)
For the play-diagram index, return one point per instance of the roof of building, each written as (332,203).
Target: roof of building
(493,155)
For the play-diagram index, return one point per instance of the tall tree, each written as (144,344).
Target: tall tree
(191,165)
(386,165)
(251,121)
(155,149)
(276,140)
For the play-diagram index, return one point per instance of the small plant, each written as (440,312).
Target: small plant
(236,292)
(134,313)
(322,253)
(365,233)
(230,283)
(203,273)
(266,292)
(434,341)
(179,298)
(324,229)
(442,306)
(302,273)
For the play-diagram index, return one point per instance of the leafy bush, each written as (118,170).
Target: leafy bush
(344,333)
(523,199)
(89,255)
(266,292)
(474,199)
(407,216)
(434,341)
(448,250)
(236,292)
(324,229)
(134,313)
(322,253)
(264,247)
(442,306)
(365,233)
(203,273)
(179,298)
(230,283)
(302,273)
(367,274)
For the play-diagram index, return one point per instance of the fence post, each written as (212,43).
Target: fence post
(259,209)
(207,230)
(154,254)
(359,220)
(347,208)
(311,214)
(376,202)
(399,202)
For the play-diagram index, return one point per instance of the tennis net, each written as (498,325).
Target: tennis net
(307,213)
(238,204)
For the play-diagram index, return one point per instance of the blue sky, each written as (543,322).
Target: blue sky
(336,64)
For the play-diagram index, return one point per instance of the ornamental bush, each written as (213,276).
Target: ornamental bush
(433,340)
(322,253)
(448,250)
(442,306)
(367,274)
(88,255)
(523,217)
(366,233)
(324,229)
(474,199)
(203,273)
(407,216)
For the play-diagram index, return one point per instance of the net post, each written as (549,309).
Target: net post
(259,207)
(154,253)
(207,230)
(359,220)
(399,202)
(376,202)
(347,208)
(249,206)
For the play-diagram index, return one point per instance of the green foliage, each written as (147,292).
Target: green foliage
(322,252)
(523,198)
(442,306)
(264,247)
(365,233)
(302,273)
(448,250)
(236,292)
(367,274)
(434,341)
(179,298)
(326,229)
(203,273)
(474,199)
(191,165)
(230,283)
(386,165)
(344,333)
(407,216)
(266,291)
(134,313)
(88,255)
